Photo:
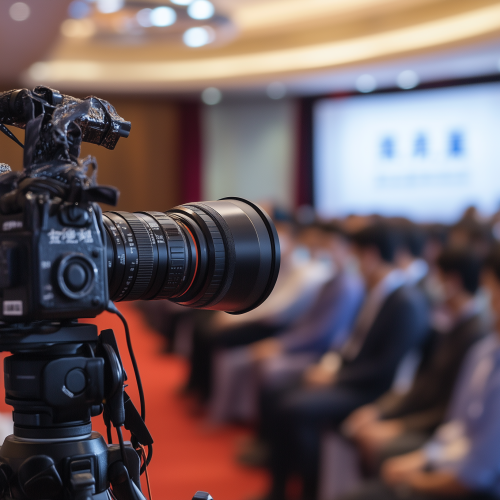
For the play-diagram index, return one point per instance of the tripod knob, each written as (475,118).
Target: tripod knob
(202,495)
(39,479)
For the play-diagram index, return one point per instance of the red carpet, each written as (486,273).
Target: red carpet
(187,456)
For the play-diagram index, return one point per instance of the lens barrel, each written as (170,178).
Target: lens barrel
(221,255)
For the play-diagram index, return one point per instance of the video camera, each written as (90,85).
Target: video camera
(62,259)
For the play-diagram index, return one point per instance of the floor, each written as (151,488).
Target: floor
(188,454)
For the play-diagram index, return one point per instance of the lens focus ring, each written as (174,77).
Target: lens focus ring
(145,255)
(219,257)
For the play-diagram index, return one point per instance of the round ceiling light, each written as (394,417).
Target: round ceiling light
(408,80)
(144,18)
(201,9)
(163,16)
(198,36)
(109,6)
(19,11)
(276,90)
(366,84)
(211,96)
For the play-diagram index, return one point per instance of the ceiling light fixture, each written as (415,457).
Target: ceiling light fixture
(211,96)
(408,80)
(158,74)
(144,18)
(109,6)
(78,9)
(276,90)
(198,36)
(201,9)
(19,11)
(366,84)
(181,2)
(78,28)
(163,16)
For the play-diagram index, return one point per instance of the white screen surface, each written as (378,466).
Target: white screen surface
(426,155)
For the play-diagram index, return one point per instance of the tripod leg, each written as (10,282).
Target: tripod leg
(123,487)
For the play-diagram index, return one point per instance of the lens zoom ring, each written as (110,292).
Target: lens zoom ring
(217,277)
(145,257)
(176,246)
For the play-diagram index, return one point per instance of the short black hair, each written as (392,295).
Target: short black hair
(381,236)
(414,239)
(463,262)
(492,261)
(332,227)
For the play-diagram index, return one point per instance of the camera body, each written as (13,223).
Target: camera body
(52,239)
(52,261)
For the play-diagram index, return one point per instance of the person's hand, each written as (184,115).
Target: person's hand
(359,418)
(375,435)
(403,469)
(319,376)
(324,373)
(266,349)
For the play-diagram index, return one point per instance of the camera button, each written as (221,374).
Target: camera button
(76,277)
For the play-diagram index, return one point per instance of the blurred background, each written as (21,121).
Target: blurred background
(318,109)
(286,101)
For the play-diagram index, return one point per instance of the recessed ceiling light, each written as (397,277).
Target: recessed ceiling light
(181,2)
(19,11)
(276,90)
(109,6)
(366,84)
(78,28)
(198,36)
(408,79)
(201,9)
(78,9)
(144,18)
(211,96)
(163,16)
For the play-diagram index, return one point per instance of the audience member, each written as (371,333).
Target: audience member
(392,321)
(398,423)
(325,326)
(461,460)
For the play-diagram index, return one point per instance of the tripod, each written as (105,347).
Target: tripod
(56,379)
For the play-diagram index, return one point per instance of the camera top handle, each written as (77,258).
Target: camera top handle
(56,124)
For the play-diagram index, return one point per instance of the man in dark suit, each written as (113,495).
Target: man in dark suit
(392,321)
(399,423)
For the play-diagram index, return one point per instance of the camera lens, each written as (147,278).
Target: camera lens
(221,255)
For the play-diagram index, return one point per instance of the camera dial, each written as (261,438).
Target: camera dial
(76,275)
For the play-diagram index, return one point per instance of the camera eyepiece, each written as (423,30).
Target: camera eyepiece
(221,255)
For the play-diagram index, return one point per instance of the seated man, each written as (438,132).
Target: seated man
(399,423)
(462,459)
(393,320)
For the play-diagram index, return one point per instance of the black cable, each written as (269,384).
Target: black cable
(108,432)
(112,308)
(10,135)
(122,446)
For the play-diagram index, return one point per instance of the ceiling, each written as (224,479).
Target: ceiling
(298,42)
